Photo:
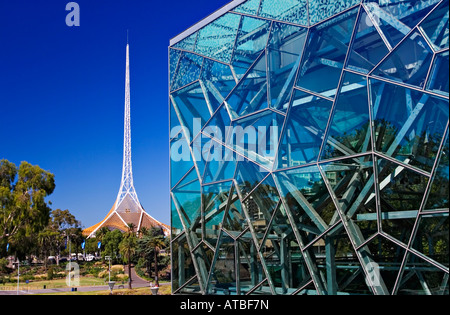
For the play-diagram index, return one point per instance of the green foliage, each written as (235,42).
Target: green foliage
(24,210)
(50,273)
(110,242)
(3,264)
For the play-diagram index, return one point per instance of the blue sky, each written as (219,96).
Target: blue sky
(62,96)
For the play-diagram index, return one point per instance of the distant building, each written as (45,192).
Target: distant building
(127,208)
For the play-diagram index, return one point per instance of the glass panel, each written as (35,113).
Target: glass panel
(192,287)
(175,225)
(215,199)
(192,108)
(262,289)
(325,53)
(294,11)
(223,275)
(251,93)
(432,237)
(203,255)
(352,182)
(174,56)
(338,264)
(201,149)
(250,270)
(188,70)
(408,62)
(382,259)
(256,137)
(438,197)
(396,18)
(438,78)
(216,39)
(182,266)
(175,126)
(180,159)
(304,191)
(248,7)
(248,176)
(304,130)
(422,278)
(261,205)
(368,47)
(435,26)
(235,221)
(221,163)
(218,81)
(349,130)
(187,198)
(251,40)
(401,194)
(284,260)
(187,43)
(309,289)
(218,126)
(320,10)
(408,125)
(188,183)
(284,52)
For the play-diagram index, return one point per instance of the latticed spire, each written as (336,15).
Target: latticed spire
(127,208)
(126,185)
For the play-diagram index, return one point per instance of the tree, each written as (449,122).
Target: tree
(67,227)
(128,247)
(111,242)
(151,243)
(100,235)
(24,212)
(47,240)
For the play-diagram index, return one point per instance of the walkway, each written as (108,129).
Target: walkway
(137,282)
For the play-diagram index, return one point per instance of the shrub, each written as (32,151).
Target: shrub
(3,264)
(103,274)
(50,274)
(117,269)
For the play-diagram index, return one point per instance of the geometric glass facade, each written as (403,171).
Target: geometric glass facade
(309,149)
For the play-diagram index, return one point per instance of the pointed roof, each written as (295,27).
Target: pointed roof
(127,208)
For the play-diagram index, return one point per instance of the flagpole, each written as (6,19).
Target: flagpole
(18,274)
(70,259)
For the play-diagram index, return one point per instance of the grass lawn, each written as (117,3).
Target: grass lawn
(84,281)
(163,290)
(52,284)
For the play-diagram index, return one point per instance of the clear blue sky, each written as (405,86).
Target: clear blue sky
(62,96)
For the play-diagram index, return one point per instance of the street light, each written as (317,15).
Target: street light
(18,274)
(110,283)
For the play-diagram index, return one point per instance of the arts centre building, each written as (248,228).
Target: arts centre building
(309,148)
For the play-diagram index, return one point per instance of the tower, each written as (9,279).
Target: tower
(127,208)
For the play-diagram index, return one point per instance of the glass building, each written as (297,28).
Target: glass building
(309,148)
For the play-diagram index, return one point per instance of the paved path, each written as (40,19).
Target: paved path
(137,282)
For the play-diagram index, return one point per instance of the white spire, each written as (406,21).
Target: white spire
(126,186)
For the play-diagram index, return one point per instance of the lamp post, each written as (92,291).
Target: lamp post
(18,274)
(110,283)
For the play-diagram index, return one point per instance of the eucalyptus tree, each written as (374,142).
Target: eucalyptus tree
(24,210)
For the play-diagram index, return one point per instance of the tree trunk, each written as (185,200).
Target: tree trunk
(129,271)
(156,269)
